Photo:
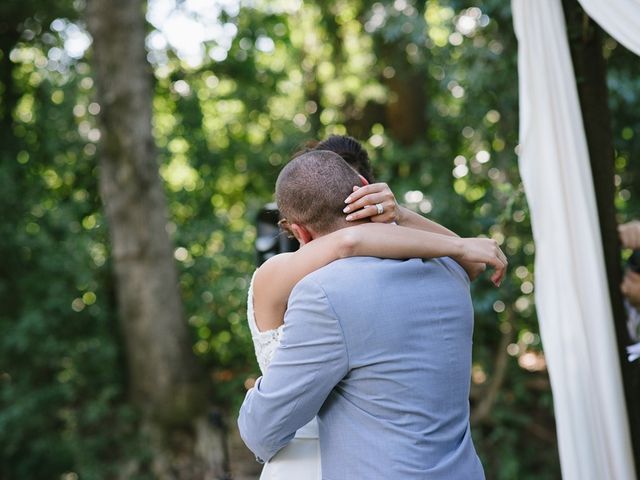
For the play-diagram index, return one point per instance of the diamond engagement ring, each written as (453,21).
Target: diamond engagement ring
(380,208)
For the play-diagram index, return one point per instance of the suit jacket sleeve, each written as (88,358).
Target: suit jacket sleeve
(311,360)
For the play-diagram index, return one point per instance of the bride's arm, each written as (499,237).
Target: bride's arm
(359,205)
(276,278)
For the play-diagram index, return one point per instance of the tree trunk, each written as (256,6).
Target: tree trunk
(165,380)
(407,107)
(406,110)
(585,40)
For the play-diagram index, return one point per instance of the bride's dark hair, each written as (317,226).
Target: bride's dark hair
(348,148)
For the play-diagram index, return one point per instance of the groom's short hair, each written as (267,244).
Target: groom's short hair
(311,190)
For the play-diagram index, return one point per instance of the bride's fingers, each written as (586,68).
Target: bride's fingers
(499,274)
(359,192)
(503,257)
(365,212)
(488,251)
(500,268)
(371,200)
(370,211)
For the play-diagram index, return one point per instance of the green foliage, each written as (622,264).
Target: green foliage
(223,129)
(62,372)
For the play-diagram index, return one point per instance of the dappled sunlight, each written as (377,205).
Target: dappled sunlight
(429,88)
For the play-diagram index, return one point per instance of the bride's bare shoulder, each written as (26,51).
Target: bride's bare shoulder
(270,292)
(273,276)
(272,267)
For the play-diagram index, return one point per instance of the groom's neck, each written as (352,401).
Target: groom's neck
(338,226)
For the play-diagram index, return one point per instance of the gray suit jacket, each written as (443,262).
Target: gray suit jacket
(380,350)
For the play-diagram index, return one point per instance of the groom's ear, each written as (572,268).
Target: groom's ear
(363,180)
(301,233)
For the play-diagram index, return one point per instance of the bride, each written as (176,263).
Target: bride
(273,282)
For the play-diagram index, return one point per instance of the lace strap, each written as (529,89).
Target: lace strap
(265,342)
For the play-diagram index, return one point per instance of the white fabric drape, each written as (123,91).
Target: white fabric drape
(620,19)
(572,298)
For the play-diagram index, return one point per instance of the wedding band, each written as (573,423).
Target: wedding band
(380,208)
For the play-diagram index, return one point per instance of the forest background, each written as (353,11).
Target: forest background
(236,87)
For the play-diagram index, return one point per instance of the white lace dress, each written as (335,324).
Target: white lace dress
(300,459)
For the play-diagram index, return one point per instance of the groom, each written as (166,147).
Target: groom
(378,349)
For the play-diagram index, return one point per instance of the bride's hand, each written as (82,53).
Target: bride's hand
(362,204)
(487,251)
